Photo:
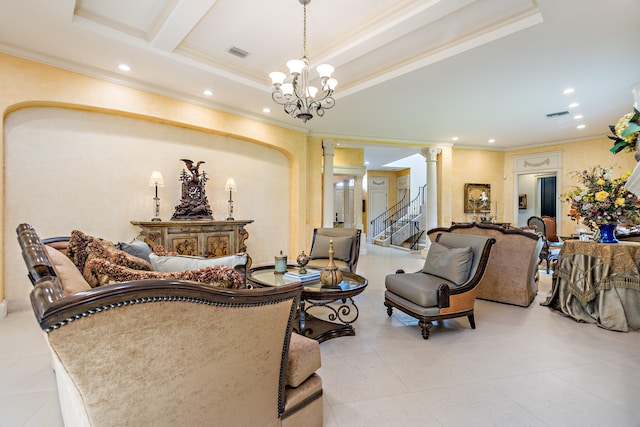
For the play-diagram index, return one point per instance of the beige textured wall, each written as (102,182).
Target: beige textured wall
(98,181)
(348,156)
(28,84)
(445,174)
(476,167)
(314,192)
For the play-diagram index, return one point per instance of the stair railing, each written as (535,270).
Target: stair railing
(380,223)
(389,219)
(415,206)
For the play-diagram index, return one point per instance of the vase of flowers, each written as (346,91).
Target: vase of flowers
(601,202)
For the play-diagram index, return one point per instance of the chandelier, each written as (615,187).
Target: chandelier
(293,91)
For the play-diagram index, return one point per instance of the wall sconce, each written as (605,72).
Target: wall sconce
(156,180)
(230,186)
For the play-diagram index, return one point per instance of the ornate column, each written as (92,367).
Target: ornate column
(431,203)
(328,211)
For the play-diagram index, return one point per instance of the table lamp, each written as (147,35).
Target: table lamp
(230,186)
(156,180)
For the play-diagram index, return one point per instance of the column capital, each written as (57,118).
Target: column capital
(328,147)
(431,153)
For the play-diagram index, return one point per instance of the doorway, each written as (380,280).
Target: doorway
(344,201)
(548,199)
(537,185)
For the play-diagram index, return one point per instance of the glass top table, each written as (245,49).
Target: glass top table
(325,312)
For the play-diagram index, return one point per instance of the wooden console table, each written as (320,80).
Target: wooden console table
(205,238)
(598,283)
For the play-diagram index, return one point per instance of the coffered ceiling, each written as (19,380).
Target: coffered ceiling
(410,72)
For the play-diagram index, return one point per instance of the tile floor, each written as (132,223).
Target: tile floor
(520,367)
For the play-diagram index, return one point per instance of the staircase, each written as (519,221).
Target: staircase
(400,224)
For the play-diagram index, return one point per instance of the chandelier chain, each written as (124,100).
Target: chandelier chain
(304,33)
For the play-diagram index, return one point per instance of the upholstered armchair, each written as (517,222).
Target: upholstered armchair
(171,352)
(346,246)
(446,287)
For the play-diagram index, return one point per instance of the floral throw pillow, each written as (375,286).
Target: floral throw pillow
(99,272)
(82,246)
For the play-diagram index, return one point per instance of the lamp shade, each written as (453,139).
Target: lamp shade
(277,77)
(156,179)
(312,91)
(325,70)
(287,89)
(295,66)
(230,185)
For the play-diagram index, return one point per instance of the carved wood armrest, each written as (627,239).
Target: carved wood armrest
(443,295)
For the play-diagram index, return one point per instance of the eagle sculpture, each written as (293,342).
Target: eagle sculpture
(193,169)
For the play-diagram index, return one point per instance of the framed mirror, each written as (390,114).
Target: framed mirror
(477,198)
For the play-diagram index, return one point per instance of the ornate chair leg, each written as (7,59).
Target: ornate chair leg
(389,310)
(472,321)
(425,326)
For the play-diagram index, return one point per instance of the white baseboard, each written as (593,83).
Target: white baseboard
(3,309)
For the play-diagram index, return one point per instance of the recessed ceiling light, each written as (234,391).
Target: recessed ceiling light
(581,126)
(577,116)
(568,90)
(573,105)
(124,67)
(208,92)
(491,141)
(455,138)
(266,110)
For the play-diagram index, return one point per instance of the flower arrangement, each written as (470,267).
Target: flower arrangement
(602,199)
(482,202)
(625,132)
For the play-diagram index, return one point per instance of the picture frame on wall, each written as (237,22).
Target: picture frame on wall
(522,201)
(477,198)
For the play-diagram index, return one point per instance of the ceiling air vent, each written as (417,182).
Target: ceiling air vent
(558,114)
(238,52)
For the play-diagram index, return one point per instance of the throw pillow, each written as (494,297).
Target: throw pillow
(341,247)
(104,272)
(186,263)
(136,248)
(451,264)
(107,250)
(69,277)
(81,246)
(76,250)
